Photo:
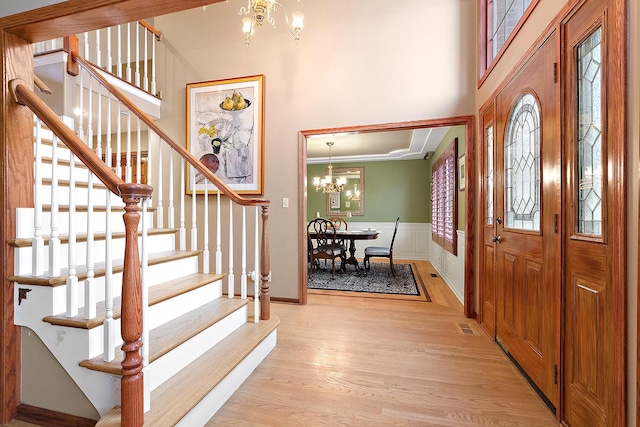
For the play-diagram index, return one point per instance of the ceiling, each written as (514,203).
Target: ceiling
(374,146)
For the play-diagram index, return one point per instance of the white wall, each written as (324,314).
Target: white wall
(358,62)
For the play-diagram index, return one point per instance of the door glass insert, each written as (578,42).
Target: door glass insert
(522,165)
(590,162)
(489,177)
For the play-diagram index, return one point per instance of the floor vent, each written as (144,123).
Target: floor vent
(465,329)
(434,275)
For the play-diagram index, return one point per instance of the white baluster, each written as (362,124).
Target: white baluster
(128,166)
(110,329)
(98,51)
(205,231)
(231,278)
(183,230)
(243,273)
(37,245)
(54,241)
(137,80)
(138,159)
(108,154)
(194,226)
(144,268)
(119,140)
(99,115)
(128,53)
(72,279)
(218,236)
(80,110)
(145,80)
(90,298)
(153,67)
(86,50)
(170,209)
(119,50)
(109,54)
(256,279)
(160,207)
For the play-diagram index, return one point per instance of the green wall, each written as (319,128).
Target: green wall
(392,189)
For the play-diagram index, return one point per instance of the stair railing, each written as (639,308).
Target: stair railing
(132,194)
(128,51)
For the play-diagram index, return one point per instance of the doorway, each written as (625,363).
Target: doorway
(467,121)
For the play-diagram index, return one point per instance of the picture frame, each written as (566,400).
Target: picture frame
(462,173)
(334,200)
(225,131)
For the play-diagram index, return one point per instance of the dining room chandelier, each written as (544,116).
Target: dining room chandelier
(328,184)
(260,11)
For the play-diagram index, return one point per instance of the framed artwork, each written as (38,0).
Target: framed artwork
(225,131)
(461,173)
(334,201)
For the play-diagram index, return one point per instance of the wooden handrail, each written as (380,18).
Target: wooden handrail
(24,95)
(190,158)
(152,30)
(41,85)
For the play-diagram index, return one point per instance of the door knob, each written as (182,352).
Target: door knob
(497,239)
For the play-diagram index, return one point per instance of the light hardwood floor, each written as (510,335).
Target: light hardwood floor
(359,361)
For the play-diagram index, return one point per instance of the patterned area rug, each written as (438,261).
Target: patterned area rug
(378,279)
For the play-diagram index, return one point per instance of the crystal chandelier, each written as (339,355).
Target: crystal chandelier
(327,184)
(263,10)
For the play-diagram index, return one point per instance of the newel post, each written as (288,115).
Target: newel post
(265,267)
(132,399)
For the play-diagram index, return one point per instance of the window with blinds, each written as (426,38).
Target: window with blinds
(444,198)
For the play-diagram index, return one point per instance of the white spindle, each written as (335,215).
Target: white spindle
(144,267)
(72,279)
(139,153)
(98,51)
(160,207)
(89,134)
(110,329)
(137,80)
(80,110)
(218,236)
(86,50)
(128,166)
(119,50)
(194,226)
(99,115)
(119,140)
(37,245)
(54,241)
(205,231)
(90,297)
(109,54)
(243,271)
(183,230)
(153,67)
(256,280)
(145,81)
(231,278)
(128,53)
(171,209)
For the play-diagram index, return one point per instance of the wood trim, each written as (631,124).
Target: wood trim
(152,30)
(46,418)
(467,121)
(78,16)
(16,169)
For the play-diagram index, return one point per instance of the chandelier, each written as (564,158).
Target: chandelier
(327,184)
(355,195)
(263,10)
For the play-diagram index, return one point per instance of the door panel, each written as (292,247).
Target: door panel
(527,198)
(595,235)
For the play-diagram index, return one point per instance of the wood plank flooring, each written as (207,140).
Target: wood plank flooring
(358,361)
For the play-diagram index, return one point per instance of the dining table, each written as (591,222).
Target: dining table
(352,236)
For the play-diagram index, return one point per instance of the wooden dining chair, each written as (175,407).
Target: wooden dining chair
(339,222)
(381,252)
(322,242)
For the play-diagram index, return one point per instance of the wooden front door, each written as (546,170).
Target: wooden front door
(527,205)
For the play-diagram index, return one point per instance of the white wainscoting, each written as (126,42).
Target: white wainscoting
(413,242)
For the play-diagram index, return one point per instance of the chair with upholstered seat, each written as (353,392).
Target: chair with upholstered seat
(381,252)
(322,242)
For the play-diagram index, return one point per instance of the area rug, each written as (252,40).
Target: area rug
(378,279)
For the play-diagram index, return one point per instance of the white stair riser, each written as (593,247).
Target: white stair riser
(175,307)
(81,173)
(208,406)
(23,256)
(25,227)
(171,363)
(55,301)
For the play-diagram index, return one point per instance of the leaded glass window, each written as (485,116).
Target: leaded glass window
(522,165)
(590,162)
(489,176)
(504,16)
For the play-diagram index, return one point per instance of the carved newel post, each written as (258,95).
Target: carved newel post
(132,413)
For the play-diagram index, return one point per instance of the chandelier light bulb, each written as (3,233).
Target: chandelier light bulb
(259,11)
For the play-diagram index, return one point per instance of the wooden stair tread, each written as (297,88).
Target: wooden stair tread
(25,243)
(46,280)
(157,294)
(177,396)
(170,335)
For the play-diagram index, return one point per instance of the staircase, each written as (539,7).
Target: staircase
(86,290)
